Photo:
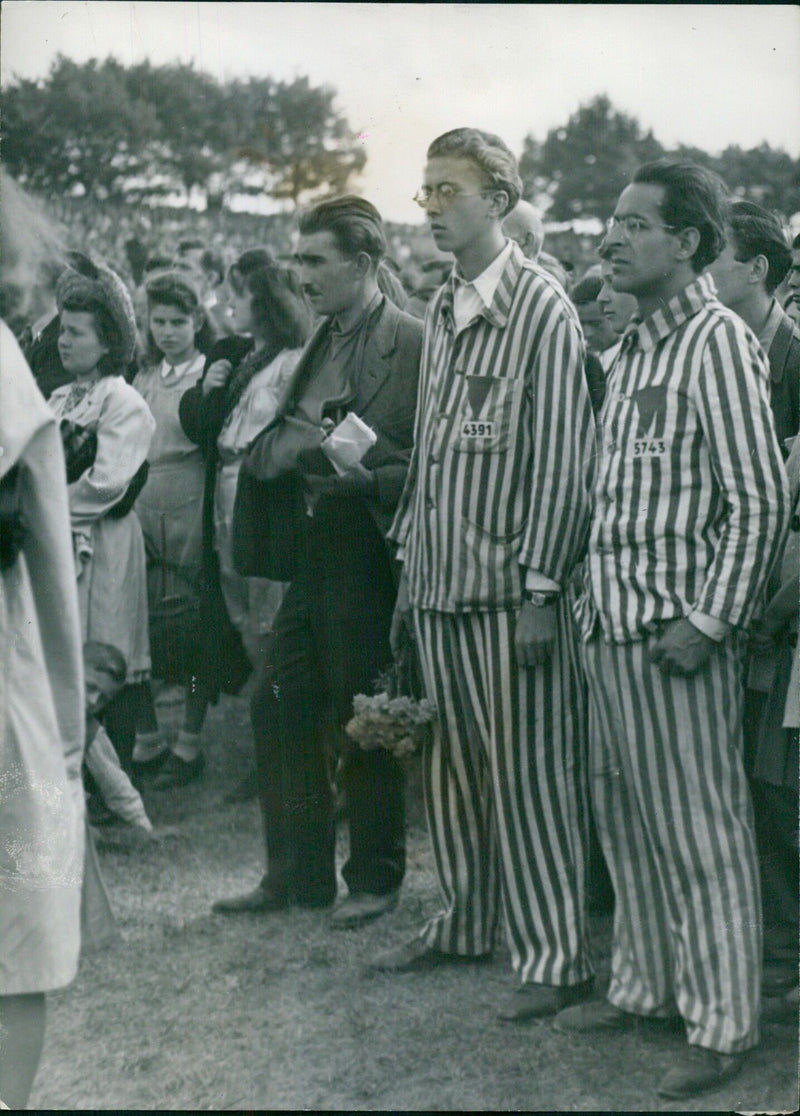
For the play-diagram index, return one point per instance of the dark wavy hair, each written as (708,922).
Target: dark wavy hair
(111,363)
(694,198)
(355,224)
(175,288)
(277,298)
(757,232)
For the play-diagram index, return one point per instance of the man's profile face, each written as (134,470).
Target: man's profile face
(730,275)
(330,279)
(643,262)
(457,209)
(596,330)
(793,279)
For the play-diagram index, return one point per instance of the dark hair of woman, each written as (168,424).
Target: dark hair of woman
(111,363)
(173,288)
(277,298)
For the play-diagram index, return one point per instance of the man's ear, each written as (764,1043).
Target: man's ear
(758,269)
(499,205)
(688,242)
(362,263)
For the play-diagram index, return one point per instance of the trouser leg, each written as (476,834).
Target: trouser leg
(300,700)
(355,594)
(676,823)
(776,832)
(502,787)
(458,793)
(536,742)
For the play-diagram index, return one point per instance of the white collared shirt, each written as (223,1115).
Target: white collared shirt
(475,295)
(178,371)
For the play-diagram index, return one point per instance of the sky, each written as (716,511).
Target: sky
(706,75)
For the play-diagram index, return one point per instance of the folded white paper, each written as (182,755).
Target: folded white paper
(347,443)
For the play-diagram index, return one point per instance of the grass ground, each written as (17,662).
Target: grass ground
(194,1011)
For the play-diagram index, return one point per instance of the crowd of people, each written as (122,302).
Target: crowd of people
(572,506)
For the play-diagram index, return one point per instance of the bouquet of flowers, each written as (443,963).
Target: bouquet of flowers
(389,718)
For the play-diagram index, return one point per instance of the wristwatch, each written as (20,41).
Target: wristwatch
(541,598)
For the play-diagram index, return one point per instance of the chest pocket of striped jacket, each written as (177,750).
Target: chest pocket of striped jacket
(485,414)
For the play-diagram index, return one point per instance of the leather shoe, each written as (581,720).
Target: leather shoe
(178,772)
(417,956)
(535,1001)
(592,1016)
(362,907)
(697,1070)
(261,900)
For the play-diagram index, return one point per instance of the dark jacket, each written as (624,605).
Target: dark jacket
(220,662)
(385,397)
(784,376)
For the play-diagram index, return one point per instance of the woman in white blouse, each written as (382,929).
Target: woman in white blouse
(96,341)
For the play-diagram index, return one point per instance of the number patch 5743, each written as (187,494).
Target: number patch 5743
(477,430)
(649,447)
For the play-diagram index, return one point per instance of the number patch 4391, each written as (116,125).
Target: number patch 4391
(477,430)
(649,447)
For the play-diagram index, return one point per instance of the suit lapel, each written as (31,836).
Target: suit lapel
(292,390)
(375,366)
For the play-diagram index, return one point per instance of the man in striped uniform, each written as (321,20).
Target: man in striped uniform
(690,509)
(492,521)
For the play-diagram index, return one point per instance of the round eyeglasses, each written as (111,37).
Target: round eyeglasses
(446,194)
(633,226)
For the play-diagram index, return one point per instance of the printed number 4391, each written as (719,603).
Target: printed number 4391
(477,429)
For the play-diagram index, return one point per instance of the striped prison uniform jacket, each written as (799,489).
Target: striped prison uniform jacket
(690,509)
(498,486)
(690,500)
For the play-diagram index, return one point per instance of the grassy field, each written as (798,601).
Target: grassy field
(194,1011)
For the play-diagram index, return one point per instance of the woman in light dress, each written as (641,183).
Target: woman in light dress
(41,681)
(96,342)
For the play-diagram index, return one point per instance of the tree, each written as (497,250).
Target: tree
(294,130)
(102,129)
(585,164)
(79,128)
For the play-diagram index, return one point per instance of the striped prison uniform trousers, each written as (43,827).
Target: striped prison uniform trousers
(675,822)
(505,793)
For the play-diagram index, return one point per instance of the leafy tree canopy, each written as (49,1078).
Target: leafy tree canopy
(583,166)
(104,129)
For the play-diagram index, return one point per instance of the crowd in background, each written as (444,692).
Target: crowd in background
(165,345)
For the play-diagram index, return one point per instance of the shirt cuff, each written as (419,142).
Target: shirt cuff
(400,553)
(709,626)
(540,583)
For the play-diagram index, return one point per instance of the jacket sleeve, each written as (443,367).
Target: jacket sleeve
(124,431)
(733,407)
(562,447)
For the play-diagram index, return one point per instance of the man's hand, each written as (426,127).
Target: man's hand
(681,648)
(535,634)
(402,630)
(217,375)
(356,481)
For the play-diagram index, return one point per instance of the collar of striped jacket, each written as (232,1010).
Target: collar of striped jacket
(498,310)
(664,321)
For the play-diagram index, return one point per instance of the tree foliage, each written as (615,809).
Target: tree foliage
(104,129)
(583,166)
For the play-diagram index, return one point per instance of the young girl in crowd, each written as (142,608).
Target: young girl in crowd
(170,508)
(96,342)
(237,398)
